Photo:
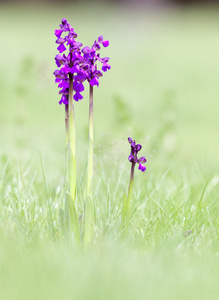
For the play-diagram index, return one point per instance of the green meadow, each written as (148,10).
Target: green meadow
(162,91)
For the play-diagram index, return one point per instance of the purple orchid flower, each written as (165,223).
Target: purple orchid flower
(69,64)
(133,157)
(91,57)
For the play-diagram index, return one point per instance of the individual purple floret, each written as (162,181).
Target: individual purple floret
(69,63)
(91,56)
(133,158)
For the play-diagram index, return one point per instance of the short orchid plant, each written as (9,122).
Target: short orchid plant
(133,158)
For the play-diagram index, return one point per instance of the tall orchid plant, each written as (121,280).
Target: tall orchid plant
(76,65)
(91,58)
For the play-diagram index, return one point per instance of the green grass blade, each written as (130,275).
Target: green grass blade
(73,219)
(89,222)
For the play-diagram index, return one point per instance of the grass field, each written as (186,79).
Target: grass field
(162,91)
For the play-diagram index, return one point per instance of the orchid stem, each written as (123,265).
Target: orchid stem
(72,151)
(67,142)
(90,147)
(71,195)
(126,204)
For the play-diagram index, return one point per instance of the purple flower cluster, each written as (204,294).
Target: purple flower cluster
(91,57)
(69,64)
(79,64)
(133,157)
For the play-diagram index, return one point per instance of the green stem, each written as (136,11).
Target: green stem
(67,157)
(67,142)
(71,196)
(72,151)
(126,205)
(90,147)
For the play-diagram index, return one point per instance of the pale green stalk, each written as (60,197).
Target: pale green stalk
(90,147)
(67,158)
(71,196)
(67,142)
(126,203)
(89,219)
(72,151)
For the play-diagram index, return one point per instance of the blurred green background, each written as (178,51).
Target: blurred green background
(162,88)
(162,91)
